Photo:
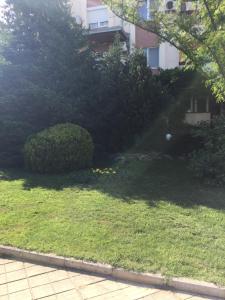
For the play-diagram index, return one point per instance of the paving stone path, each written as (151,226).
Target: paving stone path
(20,280)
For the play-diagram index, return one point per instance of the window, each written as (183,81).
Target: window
(93,25)
(97,17)
(200,105)
(203,105)
(143,11)
(147,9)
(153,57)
(104,24)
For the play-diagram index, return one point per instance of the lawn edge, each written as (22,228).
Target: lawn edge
(181,284)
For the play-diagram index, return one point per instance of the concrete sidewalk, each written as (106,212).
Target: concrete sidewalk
(20,280)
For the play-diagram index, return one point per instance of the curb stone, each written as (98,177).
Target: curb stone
(181,284)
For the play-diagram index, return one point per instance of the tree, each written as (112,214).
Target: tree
(45,43)
(2,43)
(47,59)
(4,39)
(128,99)
(199,34)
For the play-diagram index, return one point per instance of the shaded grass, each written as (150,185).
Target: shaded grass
(142,216)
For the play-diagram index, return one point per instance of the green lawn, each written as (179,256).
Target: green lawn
(140,216)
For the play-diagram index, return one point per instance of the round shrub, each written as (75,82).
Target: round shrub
(60,148)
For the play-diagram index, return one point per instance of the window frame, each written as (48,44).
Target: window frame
(194,106)
(91,27)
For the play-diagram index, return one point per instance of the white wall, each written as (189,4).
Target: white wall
(196,118)
(132,32)
(113,19)
(168,56)
(79,10)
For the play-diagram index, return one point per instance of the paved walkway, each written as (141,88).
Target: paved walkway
(25,281)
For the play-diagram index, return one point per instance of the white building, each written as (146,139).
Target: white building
(103,25)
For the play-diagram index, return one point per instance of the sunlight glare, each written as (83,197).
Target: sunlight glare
(2,2)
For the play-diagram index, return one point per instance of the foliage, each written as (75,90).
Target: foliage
(37,30)
(208,163)
(3,41)
(48,64)
(12,136)
(198,34)
(181,86)
(115,97)
(38,107)
(128,99)
(43,84)
(59,148)
(177,80)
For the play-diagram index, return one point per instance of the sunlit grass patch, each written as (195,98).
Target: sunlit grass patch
(138,215)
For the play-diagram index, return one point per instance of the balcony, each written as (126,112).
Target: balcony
(196,118)
(102,37)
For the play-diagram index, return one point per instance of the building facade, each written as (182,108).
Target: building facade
(104,24)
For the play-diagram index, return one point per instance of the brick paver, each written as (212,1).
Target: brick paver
(21,280)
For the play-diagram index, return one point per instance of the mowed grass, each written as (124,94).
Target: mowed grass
(142,216)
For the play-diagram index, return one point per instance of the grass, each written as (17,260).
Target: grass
(142,216)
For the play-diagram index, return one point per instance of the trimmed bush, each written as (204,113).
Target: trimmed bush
(58,149)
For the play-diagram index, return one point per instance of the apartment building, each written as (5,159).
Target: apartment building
(104,24)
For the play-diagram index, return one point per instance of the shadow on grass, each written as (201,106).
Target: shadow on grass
(80,179)
(167,180)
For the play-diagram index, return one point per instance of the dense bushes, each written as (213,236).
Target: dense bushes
(41,84)
(209,162)
(12,138)
(114,96)
(59,148)
(181,86)
(127,100)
